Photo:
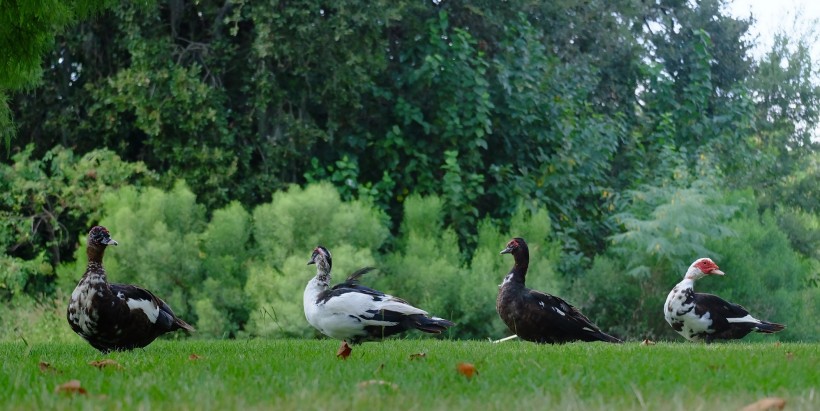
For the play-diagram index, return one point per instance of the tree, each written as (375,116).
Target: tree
(27,31)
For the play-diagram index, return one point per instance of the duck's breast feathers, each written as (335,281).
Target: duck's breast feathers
(717,307)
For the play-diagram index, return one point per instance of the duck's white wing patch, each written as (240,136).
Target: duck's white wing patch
(150,309)
(746,319)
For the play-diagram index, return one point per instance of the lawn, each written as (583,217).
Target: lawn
(306,375)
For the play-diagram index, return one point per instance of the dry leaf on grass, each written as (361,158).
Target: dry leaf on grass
(194,357)
(418,356)
(380,383)
(769,403)
(71,387)
(106,363)
(344,351)
(647,341)
(466,369)
(46,367)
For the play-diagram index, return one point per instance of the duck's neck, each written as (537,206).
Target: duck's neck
(322,279)
(95,272)
(518,273)
(685,284)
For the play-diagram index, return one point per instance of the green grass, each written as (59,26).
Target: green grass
(305,375)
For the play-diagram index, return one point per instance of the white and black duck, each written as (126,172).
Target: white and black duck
(116,316)
(354,313)
(536,316)
(707,317)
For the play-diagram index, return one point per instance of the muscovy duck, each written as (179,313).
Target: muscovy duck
(699,316)
(354,313)
(536,316)
(116,316)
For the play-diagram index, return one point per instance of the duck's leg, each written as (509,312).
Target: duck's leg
(344,350)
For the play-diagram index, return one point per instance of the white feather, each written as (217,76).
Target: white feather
(693,325)
(746,319)
(150,309)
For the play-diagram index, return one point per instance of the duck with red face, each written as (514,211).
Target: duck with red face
(707,317)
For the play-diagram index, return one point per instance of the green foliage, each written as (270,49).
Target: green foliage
(286,230)
(803,230)
(665,230)
(34,321)
(46,201)
(426,268)
(765,275)
(27,31)
(555,148)
(20,278)
(221,306)
(573,108)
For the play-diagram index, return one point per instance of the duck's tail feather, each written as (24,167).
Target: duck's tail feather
(433,325)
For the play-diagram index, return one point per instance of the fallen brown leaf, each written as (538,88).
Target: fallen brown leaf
(368,383)
(466,369)
(647,342)
(344,351)
(769,403)
(106,363)
(46,367)
(418,356)
(194,357)
(71,387)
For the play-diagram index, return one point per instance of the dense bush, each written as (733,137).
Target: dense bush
(241,274)
(428,270)
(665,230)
(286,231)
(766,276)
(625,288)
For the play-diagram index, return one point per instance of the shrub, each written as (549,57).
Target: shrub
(220,304)
(426,268)
(286,231)
(764,274)
(664,230)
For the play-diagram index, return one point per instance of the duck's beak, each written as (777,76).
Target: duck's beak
(312,259)
(506,250)
(110,241)
(716,271)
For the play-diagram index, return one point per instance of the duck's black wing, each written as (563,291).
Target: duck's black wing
(351,284)
(730,320)
(550,319)
(156,311)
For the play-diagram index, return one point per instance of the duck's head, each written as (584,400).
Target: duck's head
(515,246)
(100,237)
(322,258)
(701,268)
